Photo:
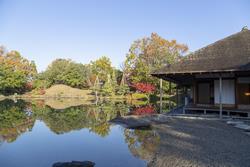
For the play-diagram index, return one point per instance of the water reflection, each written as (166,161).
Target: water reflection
(93,117)
(142,143)
(144,110)
(17,118)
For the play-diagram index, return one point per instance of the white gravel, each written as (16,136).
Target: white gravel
(201,143)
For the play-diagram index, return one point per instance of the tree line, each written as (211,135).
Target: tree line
(19,75)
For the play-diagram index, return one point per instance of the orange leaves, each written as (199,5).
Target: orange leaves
(149,54)
(17,63)
(159,42)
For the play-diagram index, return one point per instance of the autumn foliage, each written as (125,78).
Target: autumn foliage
(149,54)
(29,86)
(144,87)
(144,110)
(16,72)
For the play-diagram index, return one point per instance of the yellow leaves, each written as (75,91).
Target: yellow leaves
(14,61)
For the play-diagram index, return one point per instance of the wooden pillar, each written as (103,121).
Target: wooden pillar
(161,95)
(220,97)
(177,98)
(170,92)
(236,93)
(194,93)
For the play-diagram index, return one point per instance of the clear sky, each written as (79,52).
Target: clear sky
(84,30)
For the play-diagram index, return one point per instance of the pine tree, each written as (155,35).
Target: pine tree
(114,82)
(123,87)
(96,86)
(108,89)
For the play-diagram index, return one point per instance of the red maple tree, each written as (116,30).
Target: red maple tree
(144,87)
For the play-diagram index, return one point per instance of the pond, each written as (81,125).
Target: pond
(41,133)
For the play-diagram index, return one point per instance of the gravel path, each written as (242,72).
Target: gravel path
(201,143)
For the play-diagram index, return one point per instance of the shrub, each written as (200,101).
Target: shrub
(144,87)
(139,96)
(144,110)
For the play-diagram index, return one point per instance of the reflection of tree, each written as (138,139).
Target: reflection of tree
(142,143)
(63,121)
(17,118)
(14,120)
(144,110)
(102,129)
(1,140)
(93,117)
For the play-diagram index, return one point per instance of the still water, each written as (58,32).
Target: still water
(40,133)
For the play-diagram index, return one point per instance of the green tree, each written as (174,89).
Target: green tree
(62,71)
(40,82)
(108,89)
(11,81)
(97,86)
(114,82)
(16,72)
(123,88)
(149,54)
(101,68)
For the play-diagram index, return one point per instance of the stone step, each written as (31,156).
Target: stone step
(234,122)
(243,127)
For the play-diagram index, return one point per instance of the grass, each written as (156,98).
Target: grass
(67,91)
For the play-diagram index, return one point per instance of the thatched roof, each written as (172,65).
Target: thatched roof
(229,54)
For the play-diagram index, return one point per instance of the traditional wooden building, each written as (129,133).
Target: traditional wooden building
(217,75)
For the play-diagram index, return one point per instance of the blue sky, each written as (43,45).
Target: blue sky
(84,30)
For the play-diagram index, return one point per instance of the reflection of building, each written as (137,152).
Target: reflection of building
(216,75)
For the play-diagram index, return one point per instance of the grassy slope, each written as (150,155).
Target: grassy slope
(67,91)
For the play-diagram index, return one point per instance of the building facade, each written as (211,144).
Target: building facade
(216,75)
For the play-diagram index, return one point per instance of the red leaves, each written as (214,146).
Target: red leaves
(144,87)
(146,110)
(29,85)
